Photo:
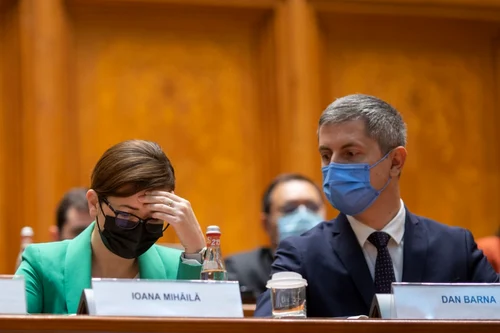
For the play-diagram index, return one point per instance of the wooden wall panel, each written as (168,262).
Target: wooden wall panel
(298,88)
(49,167)
(233,90)
(2,125)
(440,75)
(10,137)
(459,9)
(186,78)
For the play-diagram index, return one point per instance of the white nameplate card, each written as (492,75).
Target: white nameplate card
(446,300)
(172,298)
(382,306)
(12,295)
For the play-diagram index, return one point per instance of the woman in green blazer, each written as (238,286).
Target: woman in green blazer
(133,203)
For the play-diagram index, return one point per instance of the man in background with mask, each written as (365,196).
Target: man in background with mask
(375,240)
(291,205)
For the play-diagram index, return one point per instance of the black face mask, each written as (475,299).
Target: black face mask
(128,244)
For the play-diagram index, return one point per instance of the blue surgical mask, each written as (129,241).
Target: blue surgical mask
(348,188)
(297,222)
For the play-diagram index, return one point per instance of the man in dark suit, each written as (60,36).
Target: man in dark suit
(375,240)
(291,205)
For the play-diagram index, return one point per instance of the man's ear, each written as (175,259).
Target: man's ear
(265,222)
(93,203)
(54,233)
(398,160)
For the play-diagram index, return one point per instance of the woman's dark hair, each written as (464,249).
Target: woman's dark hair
(130,167)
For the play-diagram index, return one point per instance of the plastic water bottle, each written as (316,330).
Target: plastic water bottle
(213,265)
(26,239)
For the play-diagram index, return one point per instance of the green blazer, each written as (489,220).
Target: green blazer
(56,273)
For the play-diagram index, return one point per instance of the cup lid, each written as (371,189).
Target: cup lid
(286,280)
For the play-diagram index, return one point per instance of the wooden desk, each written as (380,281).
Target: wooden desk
(61,324)
(248,310)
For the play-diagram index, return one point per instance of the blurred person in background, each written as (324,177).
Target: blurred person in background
(72,217)
(132,201)
(291,205)
(491,249)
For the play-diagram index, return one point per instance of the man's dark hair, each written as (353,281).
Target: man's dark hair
(75,198)
(266,198)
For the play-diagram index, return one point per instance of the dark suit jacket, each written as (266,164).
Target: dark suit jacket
(330,258)
(251,269)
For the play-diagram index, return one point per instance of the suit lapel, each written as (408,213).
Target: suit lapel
(415,249)
(77,268)
(151,266)
(347,248)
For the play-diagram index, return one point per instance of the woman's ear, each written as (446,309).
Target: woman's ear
(93,202)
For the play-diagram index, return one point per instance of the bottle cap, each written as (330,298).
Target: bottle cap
(213,229)
(286,280)
(27,232)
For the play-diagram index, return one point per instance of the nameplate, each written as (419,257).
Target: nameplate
(86,306)
(382,306)
(446,300)
(172,298)
(12,295)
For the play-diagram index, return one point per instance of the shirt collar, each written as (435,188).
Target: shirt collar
(395,228)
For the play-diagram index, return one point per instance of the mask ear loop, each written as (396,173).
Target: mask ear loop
(103,239)
(383,158)
(390,178)
(386,184)
(96,217)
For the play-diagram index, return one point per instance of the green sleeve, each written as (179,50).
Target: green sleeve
(34,288)
(188,271)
